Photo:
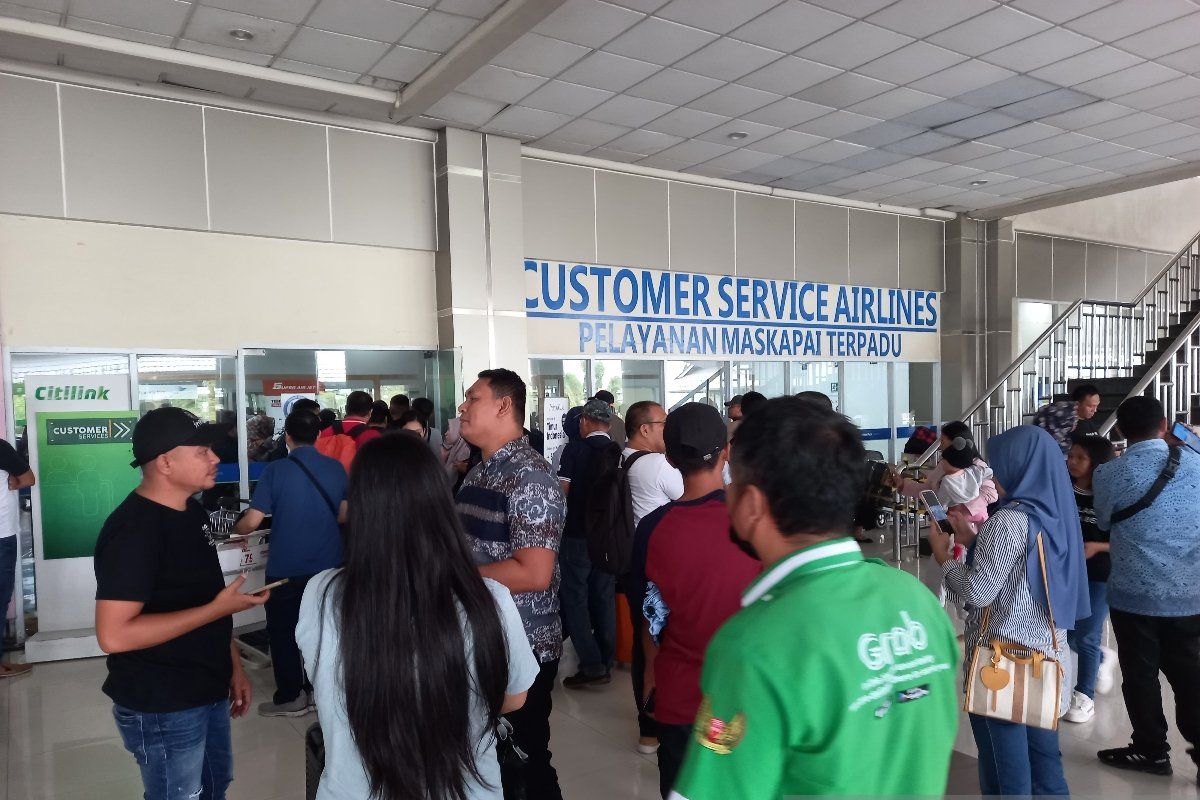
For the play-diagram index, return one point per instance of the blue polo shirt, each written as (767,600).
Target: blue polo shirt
(1156,552)
(305,537)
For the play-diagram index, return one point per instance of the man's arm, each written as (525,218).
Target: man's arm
(249,522)
(121,626)
(529,570)
(535,522)
(23,481)
(241,693)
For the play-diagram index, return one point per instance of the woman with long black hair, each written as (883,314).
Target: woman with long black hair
(412,654)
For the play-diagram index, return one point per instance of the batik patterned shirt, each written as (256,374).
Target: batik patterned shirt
(510,502)
(1059,420)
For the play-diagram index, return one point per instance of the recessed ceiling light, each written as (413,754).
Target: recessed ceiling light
(978,183)
(241,34)
(738,135)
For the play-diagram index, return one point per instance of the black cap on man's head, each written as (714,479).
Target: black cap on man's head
(163,429)
(736,400)
(694,433)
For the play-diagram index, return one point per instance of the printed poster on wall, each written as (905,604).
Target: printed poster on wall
(604,311)
(84,474)
(554,411)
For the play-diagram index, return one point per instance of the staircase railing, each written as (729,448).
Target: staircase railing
(1096,339)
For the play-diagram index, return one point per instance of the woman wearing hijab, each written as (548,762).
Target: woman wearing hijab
(1003,573)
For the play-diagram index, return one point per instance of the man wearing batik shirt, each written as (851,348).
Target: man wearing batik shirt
(1070,417)
(513,511)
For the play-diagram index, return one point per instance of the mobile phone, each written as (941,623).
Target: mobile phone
(269,586)
(1184,434)
(937,512)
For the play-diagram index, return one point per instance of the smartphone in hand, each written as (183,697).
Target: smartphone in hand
(268,587)
(937,512)
(1184,434)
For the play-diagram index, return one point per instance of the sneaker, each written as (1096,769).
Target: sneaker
(1104,677)
(581,679)
(1134,759)
(296,708)
(648,745)
(1082,709)
(15,670)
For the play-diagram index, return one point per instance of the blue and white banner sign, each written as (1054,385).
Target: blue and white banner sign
(587,309)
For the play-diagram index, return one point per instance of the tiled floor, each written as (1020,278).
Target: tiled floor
(59,742)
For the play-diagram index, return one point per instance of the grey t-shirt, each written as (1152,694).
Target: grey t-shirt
(344,777)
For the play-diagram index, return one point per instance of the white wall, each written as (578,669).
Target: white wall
(1160,218)
(86,284)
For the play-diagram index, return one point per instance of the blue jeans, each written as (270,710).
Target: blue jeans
(183,755)
(589,607)
(8,576)
(1017,760)
(1085,639)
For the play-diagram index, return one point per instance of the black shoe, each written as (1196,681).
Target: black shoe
(582,679)
(1134,759)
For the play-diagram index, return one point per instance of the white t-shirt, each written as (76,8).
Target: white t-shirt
(344,777)
(652,483)
(10,502)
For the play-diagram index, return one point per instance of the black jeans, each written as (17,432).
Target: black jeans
(531,729)
(672,747)
(1146,646)
(283,612)
(647,726)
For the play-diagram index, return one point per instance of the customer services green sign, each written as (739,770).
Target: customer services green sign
(83,474)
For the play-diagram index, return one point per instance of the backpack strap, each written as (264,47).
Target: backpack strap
(632,458)
(313,478)
(1174,454)
(356,431)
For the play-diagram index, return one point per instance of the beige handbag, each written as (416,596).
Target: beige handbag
(1012,682)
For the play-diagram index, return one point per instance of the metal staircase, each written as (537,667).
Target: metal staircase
(1148,346)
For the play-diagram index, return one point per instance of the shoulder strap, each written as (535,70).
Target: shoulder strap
(1168,472)
(1046,586)
(632,458)
(313,478)
(356,431)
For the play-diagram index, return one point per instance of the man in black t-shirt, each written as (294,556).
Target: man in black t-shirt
(14,469)
(163,614)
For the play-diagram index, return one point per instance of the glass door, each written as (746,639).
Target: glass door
(696,381)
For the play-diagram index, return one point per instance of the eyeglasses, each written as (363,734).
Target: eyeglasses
(656,422)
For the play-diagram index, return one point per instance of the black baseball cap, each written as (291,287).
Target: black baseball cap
(694,431)
(163,429)
(736,400)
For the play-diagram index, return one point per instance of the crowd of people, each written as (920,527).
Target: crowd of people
(423,584)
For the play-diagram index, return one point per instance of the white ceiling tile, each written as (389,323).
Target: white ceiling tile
(903,185)
(999,161)
(791,25)
(1176,147)
(754,133)
(1005,92)
(785,167)
(462,108)
(1180,90)
(381,20)
(1137,77)
(336,50)
(659,41)
(871,160)
(980,125)
(718,16)
(1185,60)
(962,152)
(1138,121)
(404,63)
(608,71)
(498,83)
(967,76)
(909,167)
(844,90)
(590,132)
(1020,187)
(1066,175)
(880,134)
(217,51)
(117,32)
(566,98)
(479,9)
(316,71)
(1021,135)
(293,11)
(31,14)
(657,161)
(1167,38)
(785,143)
(854,45)
(438,31)
(946,174)
(788,112)
(1058,144)
(741,160)
(612,154)
(591,23)
(920,18)
(837,124)
(1040,50)
(728,59)
(854,8)
(789,75)
(153,16)
(712,172)
(733,100)
(990,30)
(939,114)
(645,142)
(212,26)
(1086,66)
(645,6)
(1178,112)
(1091,152)
(911,63)
(863,180)
(923,143)
(1128,17)
(540,55)
(828,152)
(674,87)
(686,122)
(695,151)
(1034,167)
(1092,114)
(1059,11)
(1125,161)
(895,103)
(1044,105)
(1139,165)
(527,122)
(631,111)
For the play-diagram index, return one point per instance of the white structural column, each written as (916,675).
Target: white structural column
(480,267)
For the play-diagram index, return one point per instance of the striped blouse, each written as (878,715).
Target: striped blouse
(996,577)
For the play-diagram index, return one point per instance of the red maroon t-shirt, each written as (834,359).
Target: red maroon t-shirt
(701,575)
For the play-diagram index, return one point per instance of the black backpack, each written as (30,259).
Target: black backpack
(608,519)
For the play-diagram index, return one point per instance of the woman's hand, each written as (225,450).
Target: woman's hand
(964,529)
(1092,548)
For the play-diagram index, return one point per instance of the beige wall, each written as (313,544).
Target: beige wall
(1160,218)
(85,284)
